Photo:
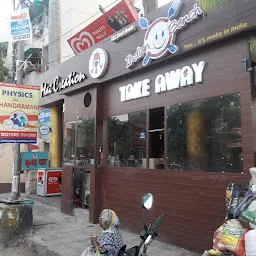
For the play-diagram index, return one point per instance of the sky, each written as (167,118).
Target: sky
(7,7)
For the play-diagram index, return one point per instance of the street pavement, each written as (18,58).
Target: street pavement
(57,234)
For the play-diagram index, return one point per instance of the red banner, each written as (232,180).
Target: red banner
(53,185)
(110,22)
(32,147)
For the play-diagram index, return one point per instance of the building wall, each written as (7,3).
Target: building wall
(188,199)
(6,163)
(193,201)
(31,77)
(38,41)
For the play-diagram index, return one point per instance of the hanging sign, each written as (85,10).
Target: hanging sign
(122,34)
(164,82)
(34,160)
(44,125)
(44,116)
(19,113)
(58,84)
(44,129)
(115,19)
(98,63)
(160,36)
(20,25)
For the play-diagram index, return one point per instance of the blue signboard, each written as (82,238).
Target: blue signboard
(44,116)
(143,135)
(20,25)
(34,160)
(44,125)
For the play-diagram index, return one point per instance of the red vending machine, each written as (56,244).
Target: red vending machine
(49,182)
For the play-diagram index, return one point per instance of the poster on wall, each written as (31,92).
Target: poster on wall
(44,125)
(40,177)
(19,113)
(107,24)
(53,186)
(20,25)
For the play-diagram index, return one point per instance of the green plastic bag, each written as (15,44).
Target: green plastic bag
(249,213)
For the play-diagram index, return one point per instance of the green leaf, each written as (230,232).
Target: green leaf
(137,9)
(209,5)
(4,71)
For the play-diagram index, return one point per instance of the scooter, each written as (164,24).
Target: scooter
(149,232)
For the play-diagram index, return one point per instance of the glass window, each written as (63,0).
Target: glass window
(79,143)
(156,138)
(127,140)
(205,135)
(85,143)
(69,143)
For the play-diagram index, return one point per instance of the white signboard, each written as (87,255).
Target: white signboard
(98,63)
(20,25)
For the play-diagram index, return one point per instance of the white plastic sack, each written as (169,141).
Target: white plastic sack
(90,251)
(250,244)
(253,173)
(252,226)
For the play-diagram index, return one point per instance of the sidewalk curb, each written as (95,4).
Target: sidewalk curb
(41,250)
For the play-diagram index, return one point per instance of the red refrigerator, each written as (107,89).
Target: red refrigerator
(49,182)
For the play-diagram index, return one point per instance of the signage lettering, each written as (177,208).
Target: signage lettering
(169,81)
(180,78)
(125,32)
(17,94)
(138,90)
(160,36)
(58,84)
(44,129)
(34,161)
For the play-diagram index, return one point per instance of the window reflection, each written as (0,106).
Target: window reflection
(69,143)
(79,143)
(85,143)
(127,140)
(205,135)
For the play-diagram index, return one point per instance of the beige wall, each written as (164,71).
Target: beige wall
(6,162)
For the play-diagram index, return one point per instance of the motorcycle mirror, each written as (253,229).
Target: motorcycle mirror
(147,201)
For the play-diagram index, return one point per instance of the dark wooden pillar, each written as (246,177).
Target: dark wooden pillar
(99,151)
(67,191)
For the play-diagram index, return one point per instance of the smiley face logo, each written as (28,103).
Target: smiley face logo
(159,38)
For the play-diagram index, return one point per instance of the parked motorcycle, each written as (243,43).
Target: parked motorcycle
(149,233)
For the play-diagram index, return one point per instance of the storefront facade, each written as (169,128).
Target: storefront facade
(178,123)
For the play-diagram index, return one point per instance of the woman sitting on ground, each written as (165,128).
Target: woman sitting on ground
(111,241)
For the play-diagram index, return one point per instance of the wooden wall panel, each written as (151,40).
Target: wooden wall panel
(193,202)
